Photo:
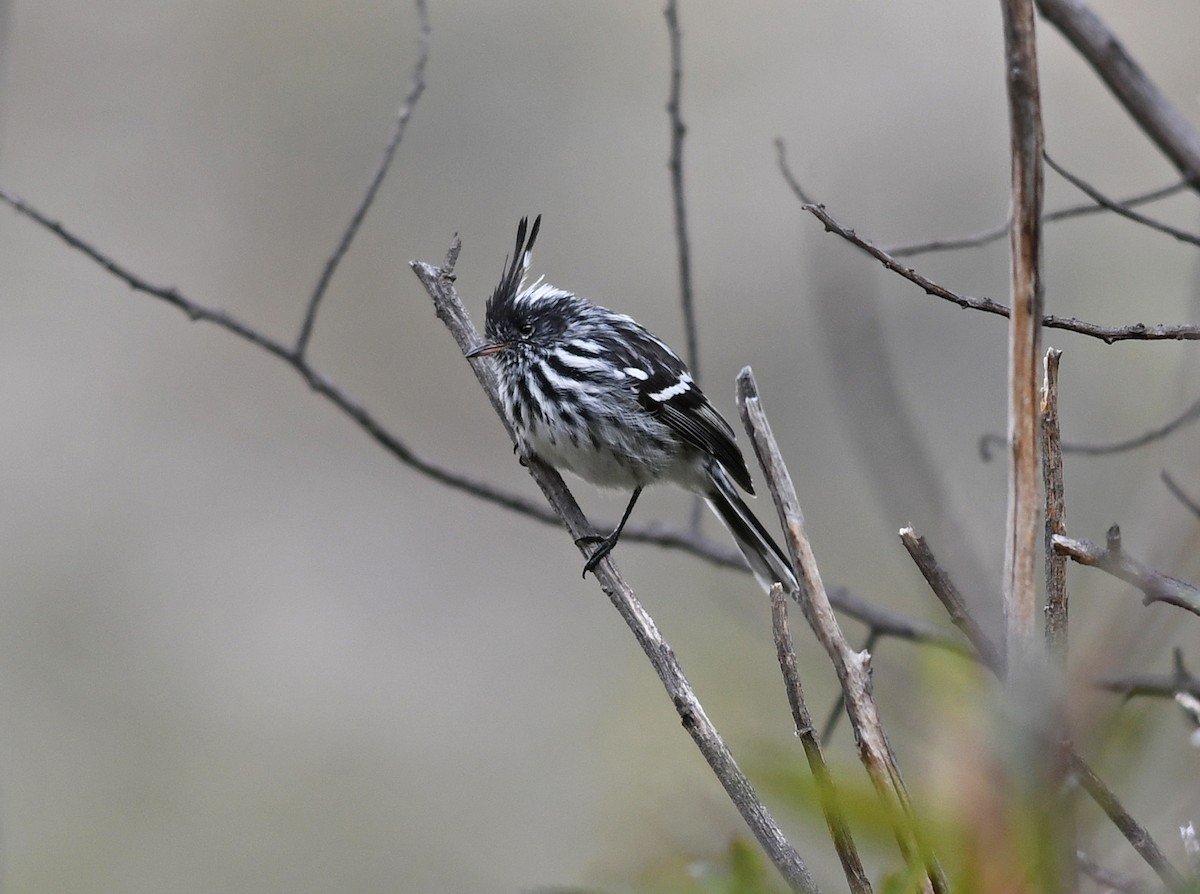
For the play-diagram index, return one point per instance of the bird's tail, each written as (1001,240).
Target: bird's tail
(764,556)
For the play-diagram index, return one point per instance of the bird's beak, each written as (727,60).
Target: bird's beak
(490,347)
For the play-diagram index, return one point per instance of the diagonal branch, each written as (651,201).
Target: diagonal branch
(1129,83)
(852,667)
(385,163)
(1107,334)
(992,234)
(835,819)
(1117,208)
(438,283)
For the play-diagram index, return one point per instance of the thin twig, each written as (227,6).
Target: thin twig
(1056,513)
(1026,142)
(1155,586)
(1100,199)
(385,163)
(1129,83)
(1148,685)
(839,831)
(993,234)
(683,247)
(853,668)
(1084,448)
(885,622)
(450,311)
(992,655)
(1107,878)
(1178,493)
(839,703)
(1134,832)
(1180,680)
(1107,334)
(683,244)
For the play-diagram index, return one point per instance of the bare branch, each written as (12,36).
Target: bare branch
(1107,334)
(1025,331)
(839,831)
(1132,87)
(1149,685)
(956,607)
(1056,513)
(1178,493)
(678,130)
(1107,878)
(993,234)
(389,152)
(1100,199)
(853,668)
(1082,448)
(1155,586)
(764,828)
(1133,831)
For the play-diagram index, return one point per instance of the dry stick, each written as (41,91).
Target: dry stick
(1107,334)
(1133,831)
(683,248)
(839,831)
(1152,111)
(1056,513)
(438,283)
(956,607)
(1056,598)
(853,668)
(1025,332)
(1100,199)
(389,152)
(991,234)
(1155,586)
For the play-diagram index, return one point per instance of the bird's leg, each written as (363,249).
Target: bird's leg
(607,543)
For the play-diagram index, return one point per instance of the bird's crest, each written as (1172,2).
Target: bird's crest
(510,283)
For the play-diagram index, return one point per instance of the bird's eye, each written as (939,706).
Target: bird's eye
(526,328)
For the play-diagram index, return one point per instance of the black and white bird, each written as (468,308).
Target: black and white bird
(596,393)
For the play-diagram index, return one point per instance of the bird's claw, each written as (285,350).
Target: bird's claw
(605,547)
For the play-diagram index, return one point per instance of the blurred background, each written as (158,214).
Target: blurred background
(244,649)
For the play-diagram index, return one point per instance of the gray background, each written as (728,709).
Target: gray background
(242,649)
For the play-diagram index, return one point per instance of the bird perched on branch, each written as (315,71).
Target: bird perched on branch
(596,393)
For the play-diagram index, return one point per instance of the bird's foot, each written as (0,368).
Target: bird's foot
(605,547)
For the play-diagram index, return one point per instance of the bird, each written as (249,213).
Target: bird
(593,392)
